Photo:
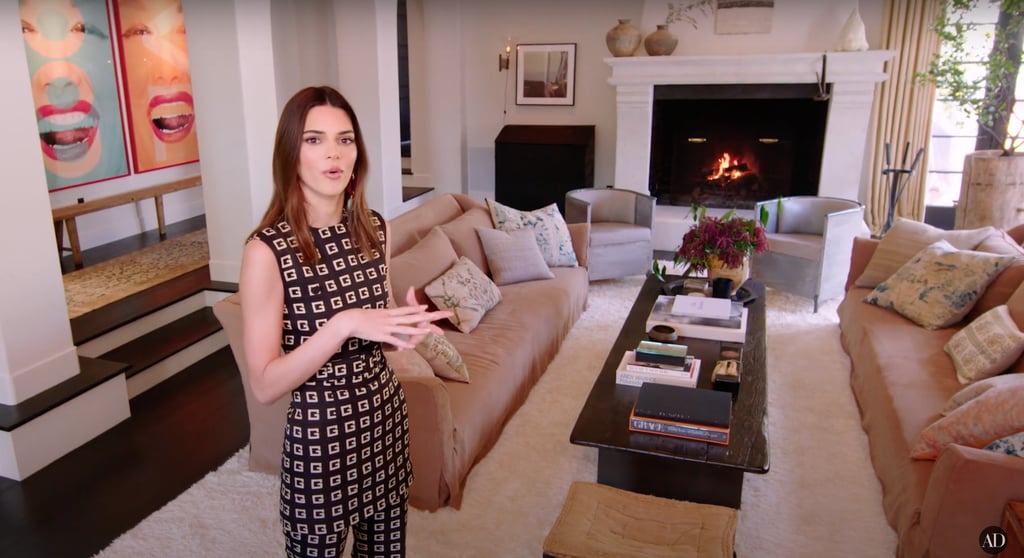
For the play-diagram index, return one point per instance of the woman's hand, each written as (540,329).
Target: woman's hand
(403,327)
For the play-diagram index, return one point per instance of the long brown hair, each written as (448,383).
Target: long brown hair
(288,201)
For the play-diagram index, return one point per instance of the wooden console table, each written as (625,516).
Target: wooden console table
(64,217)
(535,165)
(1013,524)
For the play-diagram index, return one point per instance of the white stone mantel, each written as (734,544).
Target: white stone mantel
(852,75)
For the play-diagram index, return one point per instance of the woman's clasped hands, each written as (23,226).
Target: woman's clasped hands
(403,327)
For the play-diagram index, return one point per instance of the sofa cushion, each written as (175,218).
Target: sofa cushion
(444,358)
(992,415)
(939,285)
(806,246)
(410,227)
(513,256)
(421,264)
(548,226)
(461,231)
(905,239)
(987,346)
(975,389)
(466,291)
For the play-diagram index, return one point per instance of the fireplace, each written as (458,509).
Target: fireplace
(734,145)
(851,81)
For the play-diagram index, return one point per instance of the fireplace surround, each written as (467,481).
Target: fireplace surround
(850,81)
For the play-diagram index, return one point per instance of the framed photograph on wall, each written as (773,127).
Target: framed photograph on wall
(157,83)
(546,74)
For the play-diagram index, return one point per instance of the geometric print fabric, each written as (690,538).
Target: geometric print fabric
(346,448)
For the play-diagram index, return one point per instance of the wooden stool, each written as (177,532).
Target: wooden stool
(602,521)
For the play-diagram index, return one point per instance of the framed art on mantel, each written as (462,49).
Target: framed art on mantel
(546,74)
(74,89)
(157,82)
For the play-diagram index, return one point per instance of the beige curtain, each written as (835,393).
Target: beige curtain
(903,107)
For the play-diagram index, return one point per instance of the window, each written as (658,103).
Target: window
(953,134)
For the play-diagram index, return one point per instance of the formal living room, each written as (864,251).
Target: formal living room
(867,366)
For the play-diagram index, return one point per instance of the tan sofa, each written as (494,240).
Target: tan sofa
(452,424)
(902,378)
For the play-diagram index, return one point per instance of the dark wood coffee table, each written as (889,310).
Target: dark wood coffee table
(672,467)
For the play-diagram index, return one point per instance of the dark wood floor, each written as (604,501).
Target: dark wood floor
(179,431)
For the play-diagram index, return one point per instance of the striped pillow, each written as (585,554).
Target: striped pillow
(987,346)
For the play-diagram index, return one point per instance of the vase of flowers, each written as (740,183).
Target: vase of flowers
(720,246)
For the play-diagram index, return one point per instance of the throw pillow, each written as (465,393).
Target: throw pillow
(1010,445)
(992,415)
(466,291)
(972,391)
(939,285)
(548,226)
(408,363)
(908,237)
(986,347)
(444,358)
(1004,285)
(514,256)
(421,264)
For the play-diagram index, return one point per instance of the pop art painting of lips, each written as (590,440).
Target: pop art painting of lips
(68,121)
(171,116)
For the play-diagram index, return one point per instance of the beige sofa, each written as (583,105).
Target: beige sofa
(902,378)
(452,424)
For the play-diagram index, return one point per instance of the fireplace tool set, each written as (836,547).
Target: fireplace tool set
(896,179)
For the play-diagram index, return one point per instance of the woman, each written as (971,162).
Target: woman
(321,255)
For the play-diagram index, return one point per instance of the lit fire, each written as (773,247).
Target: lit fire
(728,168)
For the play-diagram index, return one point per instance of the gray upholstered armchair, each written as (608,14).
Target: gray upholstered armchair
(620,229)
(810,239)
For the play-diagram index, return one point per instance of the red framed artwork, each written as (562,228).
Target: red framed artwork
(69,52)
(157,83)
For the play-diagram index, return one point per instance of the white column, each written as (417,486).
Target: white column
(366,33)
(232,66)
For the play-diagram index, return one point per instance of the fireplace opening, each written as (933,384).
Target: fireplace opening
(735,145)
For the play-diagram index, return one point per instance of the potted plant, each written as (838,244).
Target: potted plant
(719,245)
(987,97)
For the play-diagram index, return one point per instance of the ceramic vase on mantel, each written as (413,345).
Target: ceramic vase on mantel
(739,275)
(661,42)
(623,39)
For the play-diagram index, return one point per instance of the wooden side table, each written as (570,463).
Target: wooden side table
(1013,524)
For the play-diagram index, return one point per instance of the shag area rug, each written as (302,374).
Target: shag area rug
(97,285)
(820,497)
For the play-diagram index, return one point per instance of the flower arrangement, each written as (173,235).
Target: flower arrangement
(729,238)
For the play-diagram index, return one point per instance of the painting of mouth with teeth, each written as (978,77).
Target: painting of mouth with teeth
(161,112)
(69,53)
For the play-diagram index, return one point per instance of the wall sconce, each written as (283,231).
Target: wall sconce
(503,58)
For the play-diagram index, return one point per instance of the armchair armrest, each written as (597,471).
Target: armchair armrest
(643,212)
(576,210)
(431,443)
(967,491)
(841,228)
(772,208)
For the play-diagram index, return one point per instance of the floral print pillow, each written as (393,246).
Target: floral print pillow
(939,285)
(1010,445)
(548,226)
(466,291)
(444,358)
(987,346)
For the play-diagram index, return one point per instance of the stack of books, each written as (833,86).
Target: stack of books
(693,414)
(732,328)
(658,363)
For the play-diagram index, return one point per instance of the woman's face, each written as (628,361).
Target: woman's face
(159,83)
(328,153)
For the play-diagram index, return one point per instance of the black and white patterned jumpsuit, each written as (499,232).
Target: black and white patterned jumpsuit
(346,448)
